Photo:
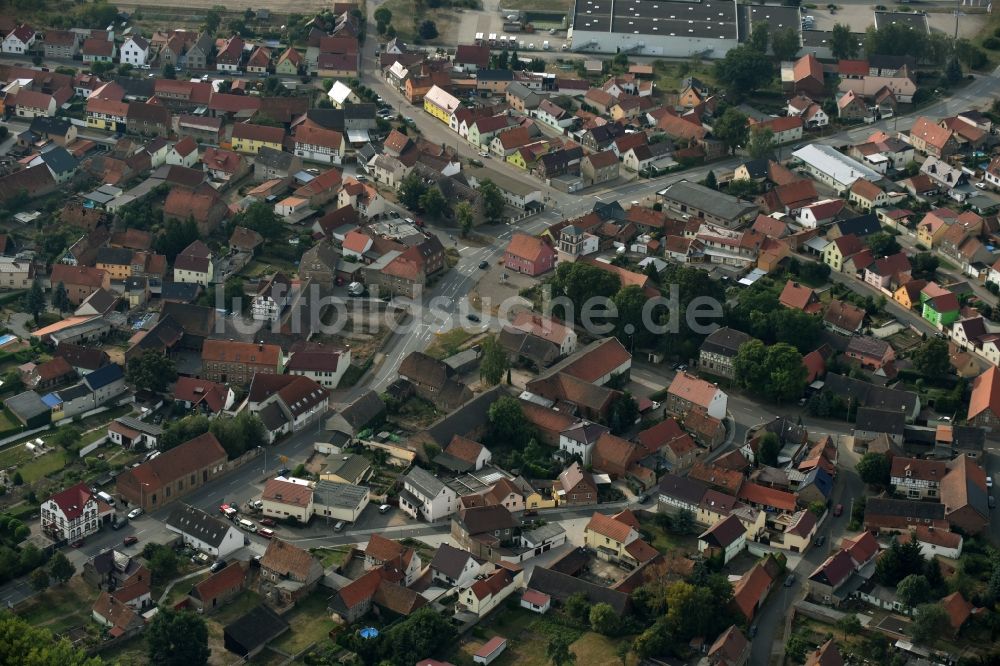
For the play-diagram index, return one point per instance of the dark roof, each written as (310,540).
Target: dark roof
(682,488)
(757,168)
(59,160)
(199,524)
(183,292)
(561,586)
(465,419)
(450,560)
(78,356)
(53,126)
(885,506)
(194,319)
(483,519)
(104,376)
(862,225)
(725,341)
(254,629)
(117,256)
(869,395)
(880,420)
(965,437)
(363,410)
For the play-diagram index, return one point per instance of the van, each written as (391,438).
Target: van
(247,525)
(339,527)
(106,497)
(266,533)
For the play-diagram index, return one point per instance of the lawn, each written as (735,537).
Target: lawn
(331,557)
(446,344)
(7,421)
(310,622)
(15,454)
(669,75)
(665,541)
(236,608)
(60,607)
(180,590)
(133,651)
(43,466)
(405,19)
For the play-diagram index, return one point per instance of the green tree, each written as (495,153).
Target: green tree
(22,644)
(382,15)
(260,217)
(818,508)
(743,188)
(797,647)
(684,522)
(711,181)
(731,129)
(580,282)
(17,479)
(743,69)
(176,236)
(419,636)
(34,301)
(557,651)
(874,468)
(689,610)
(39,579)
(623,413)
(433,203)
(842,43)
(953,71)
(768,449)
(411,190)
(213,19)
(913,591)
(168,71)
(604,619)
(61,568)
(66,437)
(924,265)
(775,371)
(494,362)
(899,561)
(152,371)
(493,203)
(239,434)
(785,43)
(761,143)
(60,299)
(177,638)
(629,329)
(465,217)
(797,328)
(929,622)
(578,607)
(759,35)
(882,244)
(163,564)
(508,426)
(428,30)
(970,55)
(931,358)
(849,625)
(177,432)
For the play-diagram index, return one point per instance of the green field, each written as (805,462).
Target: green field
(310,622)
(43,466)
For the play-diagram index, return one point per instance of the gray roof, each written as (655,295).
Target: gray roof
(347,465)
(141,426)
(198,524)
(363,410)
(880,420)
(683,489)
(59,160)
(73,392)
(272,416)
(869,395)
(450,560)
(725,341)
(275,159)
(885,506)
(543,533)
(26,405)
(703,198)
(344,495)
(425,482)
(710,19)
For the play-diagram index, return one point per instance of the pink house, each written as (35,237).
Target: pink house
(529,255)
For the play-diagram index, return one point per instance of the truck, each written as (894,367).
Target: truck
(479,39)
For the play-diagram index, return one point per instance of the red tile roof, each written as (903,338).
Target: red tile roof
(529,248)
(693,389)
(772,497)
(799,297)
(751,589)
(86,276)
(287,492)
(72,500)
(262,133)
(958,609)
(807,67)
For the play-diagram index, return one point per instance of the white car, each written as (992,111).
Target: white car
(135,513)
(989,482)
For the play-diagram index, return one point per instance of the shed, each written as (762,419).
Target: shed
(493,649)
(249,634)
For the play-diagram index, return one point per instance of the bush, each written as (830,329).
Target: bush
(992,43)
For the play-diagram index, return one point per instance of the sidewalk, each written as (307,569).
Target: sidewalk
(199,572)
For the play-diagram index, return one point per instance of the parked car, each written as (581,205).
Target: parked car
(129,540)
(993,501)
(269,522)
(266,533)
(385,508)
(472,317)
(989,482)
(484,264)
(218,565)
(838,510)
(135,513)
(790,580)
(339,527)
(119,524)
(78,543)
(820,540)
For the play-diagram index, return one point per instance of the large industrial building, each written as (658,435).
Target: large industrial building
(666,28)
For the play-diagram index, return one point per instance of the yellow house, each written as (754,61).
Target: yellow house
(801,528)
(440,104)
(106,114)
(517,159)
(289,62)
(609,537)
(930,230)
(909,294)
(249,138)
(117,261)
(837,251)
(536,500)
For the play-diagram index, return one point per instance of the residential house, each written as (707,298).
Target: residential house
(71,514)
(616,539)
(529,254)
(688,392)
(227,361)
(844,318)
(575,487)
(426,496)
(287,573)
(719,351)
(727,538)
(203,532)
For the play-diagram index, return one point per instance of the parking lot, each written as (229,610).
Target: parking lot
(859,15)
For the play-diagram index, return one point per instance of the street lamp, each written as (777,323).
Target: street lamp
(142,497)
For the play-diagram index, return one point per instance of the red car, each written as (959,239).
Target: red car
(129,540)
(839,509)
(266,533)
(77,544)
(269,522)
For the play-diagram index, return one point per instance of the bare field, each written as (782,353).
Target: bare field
(196,7)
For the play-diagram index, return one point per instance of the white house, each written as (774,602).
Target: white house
(325,367)
(316,144)
(483,596)
(727,538)
(580,439)
(205,533)
(552,115)
(19,40)
(455,567)
(71,514)
(135,52)
(426,496)
(339,501)
(933,541)
(536,602)
(340,94)
(288,498)
(183,153)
